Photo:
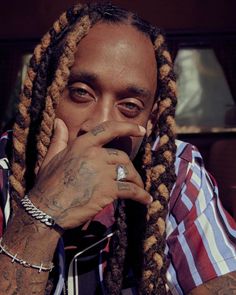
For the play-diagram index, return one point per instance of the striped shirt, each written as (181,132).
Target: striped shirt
(201,235)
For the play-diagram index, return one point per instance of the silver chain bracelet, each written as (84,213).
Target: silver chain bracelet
(24,263)
(40,215)
(36,213)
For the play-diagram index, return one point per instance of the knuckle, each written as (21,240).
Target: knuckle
(133,189)
(125,158)
(93,152)
(90,152)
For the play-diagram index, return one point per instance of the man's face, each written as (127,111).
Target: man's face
(113,78)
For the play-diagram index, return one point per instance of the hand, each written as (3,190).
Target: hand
(76,182)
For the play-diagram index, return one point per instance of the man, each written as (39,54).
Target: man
(102,83)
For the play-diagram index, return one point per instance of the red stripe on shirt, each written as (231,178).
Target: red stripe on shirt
(180,262)
(200,255)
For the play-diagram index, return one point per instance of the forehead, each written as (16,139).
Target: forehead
(120,49)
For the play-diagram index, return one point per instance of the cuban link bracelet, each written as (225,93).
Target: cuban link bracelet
(38,214)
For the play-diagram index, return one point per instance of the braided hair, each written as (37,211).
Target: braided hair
(46,78)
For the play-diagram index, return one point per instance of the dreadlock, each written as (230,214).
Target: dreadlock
(46,78)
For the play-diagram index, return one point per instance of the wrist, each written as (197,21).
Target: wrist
(14,258)
(30,238)
(40,215)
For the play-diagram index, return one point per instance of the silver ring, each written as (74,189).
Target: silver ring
(121,172)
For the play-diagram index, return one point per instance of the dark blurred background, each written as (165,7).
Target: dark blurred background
(189,24)
(30,19)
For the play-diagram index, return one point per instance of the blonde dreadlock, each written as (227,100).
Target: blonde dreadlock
(61,77)
(160,175)
(23,120)
(46,78)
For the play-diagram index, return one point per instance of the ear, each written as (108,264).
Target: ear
(152,118)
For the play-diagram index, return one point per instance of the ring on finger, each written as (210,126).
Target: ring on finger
(121,172)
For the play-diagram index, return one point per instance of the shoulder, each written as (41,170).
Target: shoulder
(189,166)
(194,185)
(188,153)
(200,235)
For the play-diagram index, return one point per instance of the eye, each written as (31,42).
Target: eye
(80,94)
(130,109)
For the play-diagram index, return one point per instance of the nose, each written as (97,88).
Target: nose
(104,110)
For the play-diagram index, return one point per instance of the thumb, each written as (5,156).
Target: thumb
(58,142)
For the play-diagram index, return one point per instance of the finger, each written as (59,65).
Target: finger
(128,190)
(58,142)
(118,158)
(107,131)
(114,156)
(130,174)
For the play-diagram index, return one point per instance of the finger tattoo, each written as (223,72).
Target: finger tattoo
(112,152)
(123,186)
(98,129)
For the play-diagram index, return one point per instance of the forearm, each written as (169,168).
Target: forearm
(32,242)
(225,284)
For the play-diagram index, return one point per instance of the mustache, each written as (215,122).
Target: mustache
(120,143)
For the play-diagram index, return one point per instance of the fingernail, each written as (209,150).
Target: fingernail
(142,129)
(150,199)
(55,123)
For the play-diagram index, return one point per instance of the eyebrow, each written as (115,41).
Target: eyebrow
(83,77)
(91,78)
(139,91)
